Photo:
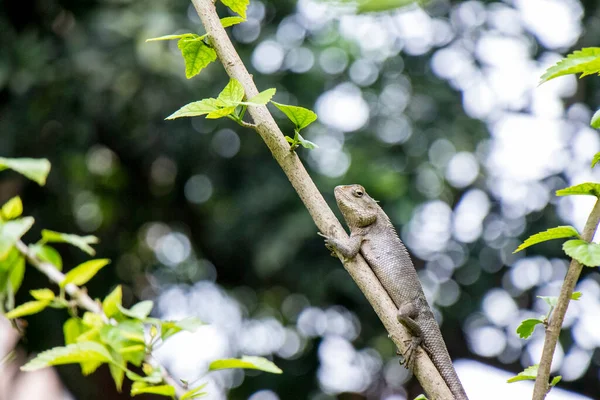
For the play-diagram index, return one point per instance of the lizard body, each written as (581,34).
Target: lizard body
(373,235)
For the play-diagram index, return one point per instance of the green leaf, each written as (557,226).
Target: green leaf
(17,273)
(586,253)
(154,378)
(42,294)
(220,113)
(553,233)
(195,109)
(173,37)
(29,308)
(33,168)
(237,6)
(528,373)
(196,54)
(232,93)
(585,61)
(368,6)
(169,328)
(587,188)
(71,354)
(300,116)
(230,21)
(527,326)
(595,122)
(47,254)
(11,232)
(163,390)
(82,242)
(575,295)
(421,397)
(72,329)
(111,303)
(307,144)
(12,209)
(555,380)
(139,311)
(82,273)
(194,393)
(596,159)
(550,300)
(117,370)
(247,362)
(262,98)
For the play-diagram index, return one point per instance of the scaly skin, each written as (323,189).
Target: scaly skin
(373,235)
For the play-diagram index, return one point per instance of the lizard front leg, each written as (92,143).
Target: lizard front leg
(406,316)
(349,248)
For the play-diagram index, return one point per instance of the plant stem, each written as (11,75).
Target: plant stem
(542,387)
(84,301)
(320,212)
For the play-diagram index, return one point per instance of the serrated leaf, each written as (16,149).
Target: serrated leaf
(139,311)
(588,188)
(163,390)
(595,122)
(196,54)
(82,273)
(72,329)
(555,380)
(232,93)
(111,303)
(595,159)
(11,232)
(195,109)
(246,362)
(237,6)
(47,254)
(230,21)
(74,353)
(81,242)
(575,295)
(29,308)
(585,61)
(586,253)
(195,393)
(300,116)
(42,294)
(33,168)
(528,373)
(553,233)
(527,326)
(262,98)
(173,37)
(12,209)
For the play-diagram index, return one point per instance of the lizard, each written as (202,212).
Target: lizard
(373,235)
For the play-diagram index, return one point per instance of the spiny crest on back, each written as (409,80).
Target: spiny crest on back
(357,207)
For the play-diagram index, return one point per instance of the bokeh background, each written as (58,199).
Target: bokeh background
(436,111)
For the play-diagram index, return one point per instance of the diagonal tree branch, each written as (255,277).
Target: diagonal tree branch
(541,388)
(85,302)
(320,212)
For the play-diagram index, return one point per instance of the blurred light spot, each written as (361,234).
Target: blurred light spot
(576,363)
(428,231)
(172,249)
(293,304)
(441,266)
(312,322)
(87,211)
(394,130)
(290,33)
(462,169)
(264,395)
(395,97)
(469,14)
(163,171)
(499,307)
(414,26)
(248,31)
(448,293)
(226,143)
(333,60)
(198,189)
(263,336)
(267,58)
(101,160)
(534,352)
(363,72)
(441,152)
(525,273)
(299,60)
(487,341)
(292,345)
(395,376)
(470,211)
(343,108)
(429,183)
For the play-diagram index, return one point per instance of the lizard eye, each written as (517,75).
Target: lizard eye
(358,193)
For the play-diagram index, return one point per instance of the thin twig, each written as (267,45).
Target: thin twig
(542,387)
(85,302)
(320,212)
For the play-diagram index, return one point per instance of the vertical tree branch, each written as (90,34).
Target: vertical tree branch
(542,387)
(320,212)
(85,302)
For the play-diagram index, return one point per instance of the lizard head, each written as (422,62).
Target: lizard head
(357,207)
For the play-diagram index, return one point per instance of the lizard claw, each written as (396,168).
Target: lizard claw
(329,243)
(410,354)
